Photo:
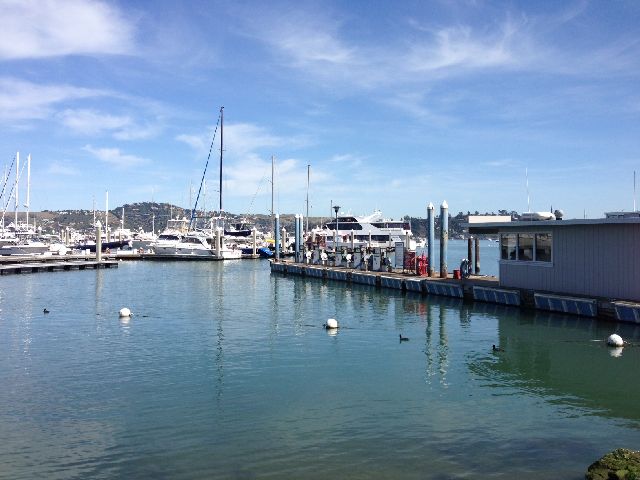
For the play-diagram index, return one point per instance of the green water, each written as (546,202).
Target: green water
(225,371)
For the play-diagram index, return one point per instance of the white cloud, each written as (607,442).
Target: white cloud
(57,168)
(46,28)
(463,48)
(20,100)
(91,122)
(240,139)
(115,158)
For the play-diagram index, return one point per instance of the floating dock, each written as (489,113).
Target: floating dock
(473,289)
(10,265)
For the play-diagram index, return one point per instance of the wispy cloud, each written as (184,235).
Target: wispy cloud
(241,139)
(93,122)
(464,48)
(46,28)
(115,158)
(57,168)
(21,100)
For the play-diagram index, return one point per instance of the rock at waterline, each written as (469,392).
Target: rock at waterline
(621,464)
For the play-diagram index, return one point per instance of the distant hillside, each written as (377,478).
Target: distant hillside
(149,215)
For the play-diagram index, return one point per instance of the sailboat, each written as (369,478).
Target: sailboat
(209,242)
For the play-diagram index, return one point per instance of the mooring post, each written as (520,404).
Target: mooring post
(470,250)
(255,240)
(431,238)
(444,238)
(218,242)
(297,236)
(276,227)
(98,241)
(477,263)
(300,238)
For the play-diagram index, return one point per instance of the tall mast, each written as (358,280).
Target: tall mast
(28,185)
(16,197)
(221,147)
(272,168)
(308,174)
(106,211)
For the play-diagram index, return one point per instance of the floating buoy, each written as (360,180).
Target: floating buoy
(615,340)
(124,312)
(331,324)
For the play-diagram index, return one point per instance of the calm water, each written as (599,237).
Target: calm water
(225,371)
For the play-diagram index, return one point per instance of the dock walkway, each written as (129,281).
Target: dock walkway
(16,264)
(474,289)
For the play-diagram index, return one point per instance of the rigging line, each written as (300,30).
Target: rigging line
(4,186)
(193,211)
(13,186)
(256,194)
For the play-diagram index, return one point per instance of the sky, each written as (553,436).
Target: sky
(385,105)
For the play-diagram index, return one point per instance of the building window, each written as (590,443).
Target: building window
(543,247)
(526,247)
(508,246)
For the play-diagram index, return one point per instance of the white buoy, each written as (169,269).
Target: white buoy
(124,312)
(331,324)
(615,340)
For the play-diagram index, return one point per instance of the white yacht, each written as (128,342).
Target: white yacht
(370,230)
(170,237)
(196,244)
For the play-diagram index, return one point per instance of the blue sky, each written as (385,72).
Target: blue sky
(392,104)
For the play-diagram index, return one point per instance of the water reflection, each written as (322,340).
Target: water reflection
(436,340)
(564,359)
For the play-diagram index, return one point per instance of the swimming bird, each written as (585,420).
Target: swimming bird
(45,311)
(497,349)
(403,339)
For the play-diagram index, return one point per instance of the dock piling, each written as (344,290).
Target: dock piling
(444,238)
(430,238)
(276,228)
(98,241)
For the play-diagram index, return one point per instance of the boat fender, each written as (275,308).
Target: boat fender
(465,268)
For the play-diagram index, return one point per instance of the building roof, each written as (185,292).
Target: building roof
(496,227)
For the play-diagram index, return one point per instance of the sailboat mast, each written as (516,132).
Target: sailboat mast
(106,212)
(28,185)
(221,148)
(308,174)
(17,178)
(272,168)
